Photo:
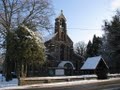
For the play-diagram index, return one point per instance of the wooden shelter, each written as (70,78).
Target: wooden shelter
(95,65)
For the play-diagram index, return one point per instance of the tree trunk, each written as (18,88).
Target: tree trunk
(7,59)
(25,69)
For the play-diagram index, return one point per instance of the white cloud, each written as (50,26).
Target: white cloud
(115,4)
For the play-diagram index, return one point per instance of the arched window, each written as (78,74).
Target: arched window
(62,36)
(62,47)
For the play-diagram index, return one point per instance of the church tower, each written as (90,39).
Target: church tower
(60,44)
(60,27)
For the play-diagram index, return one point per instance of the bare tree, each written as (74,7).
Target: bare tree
(80,48)
(33,13)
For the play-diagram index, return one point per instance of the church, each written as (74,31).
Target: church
(61,58)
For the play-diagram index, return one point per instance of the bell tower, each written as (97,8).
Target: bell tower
(60,27)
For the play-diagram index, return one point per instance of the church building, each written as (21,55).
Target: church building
(61,58)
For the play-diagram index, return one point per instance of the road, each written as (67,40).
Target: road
(83,87)
(102,85)
(115,85)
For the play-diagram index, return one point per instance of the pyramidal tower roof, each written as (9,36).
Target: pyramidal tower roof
(61,16)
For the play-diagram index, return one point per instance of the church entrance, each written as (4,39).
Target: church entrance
(68,67)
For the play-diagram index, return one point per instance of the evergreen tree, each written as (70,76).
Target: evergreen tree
(112,33)
(96,45)
(93,48)
(25,50)
(89,49)
(9,55)
(31,49)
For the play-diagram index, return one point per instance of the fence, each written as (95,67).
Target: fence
(36,80)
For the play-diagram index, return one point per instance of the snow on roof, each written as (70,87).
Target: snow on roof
(91,63)
(49,37)
(62,63)
(36,35)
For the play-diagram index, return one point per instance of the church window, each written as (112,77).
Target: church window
(62,36)
(67,53)
(62,52)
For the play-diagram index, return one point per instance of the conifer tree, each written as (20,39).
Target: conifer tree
(93,48)
(112,34)
(89,49)
(96,45)
(25,50)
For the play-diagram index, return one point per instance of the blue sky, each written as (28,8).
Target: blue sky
(85,17)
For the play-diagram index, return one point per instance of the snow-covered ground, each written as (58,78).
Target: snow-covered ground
(59,84)
(14,83)
(11,83)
